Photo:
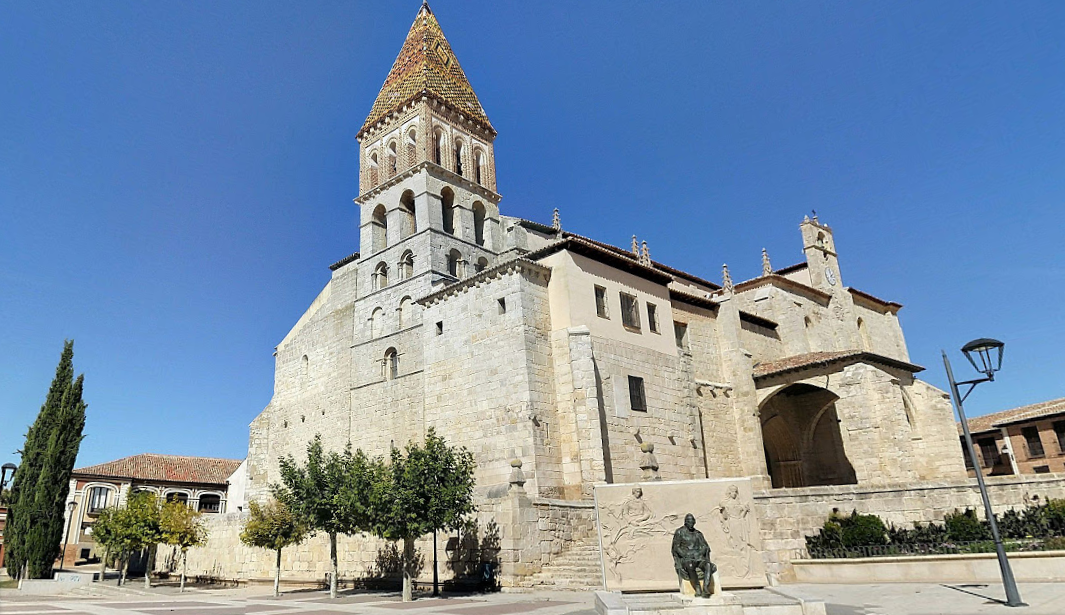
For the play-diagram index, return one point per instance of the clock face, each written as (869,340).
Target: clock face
(830,276)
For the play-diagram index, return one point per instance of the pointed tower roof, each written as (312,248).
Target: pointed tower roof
(427,64)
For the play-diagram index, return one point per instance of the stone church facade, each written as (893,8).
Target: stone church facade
(584,362)
(524,341)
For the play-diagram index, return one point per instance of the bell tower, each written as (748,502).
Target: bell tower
(427,165)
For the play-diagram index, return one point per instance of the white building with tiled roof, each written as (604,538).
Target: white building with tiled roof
(209,485)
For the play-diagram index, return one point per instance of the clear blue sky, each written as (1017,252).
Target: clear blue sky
(175,178)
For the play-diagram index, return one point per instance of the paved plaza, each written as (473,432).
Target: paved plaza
(888,599)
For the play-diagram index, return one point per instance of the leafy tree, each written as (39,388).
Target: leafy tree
(274,526)
(321,491)
(181,527)
(129,529)
(425,488)
(42,482)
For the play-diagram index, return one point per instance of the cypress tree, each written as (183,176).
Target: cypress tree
(42,482)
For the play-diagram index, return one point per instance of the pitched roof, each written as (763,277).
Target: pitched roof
(427,64)
(170,468)
(992,421)
(818,359)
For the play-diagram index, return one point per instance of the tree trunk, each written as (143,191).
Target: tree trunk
(333,559)
(277,576)
(408,565)
(184,566)
(147,569)
(103,565)
(124,566)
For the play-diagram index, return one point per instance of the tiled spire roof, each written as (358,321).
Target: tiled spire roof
(427,64)
(172,468)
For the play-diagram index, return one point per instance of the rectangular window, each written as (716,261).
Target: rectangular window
(1041,469)
(965,454)
(440,327)
(600,302)
(988,451)
(1059,431)
(652,317)
(1035,445)
(502,303)
(98,499)
(637,401)
(630,311)
(680,330)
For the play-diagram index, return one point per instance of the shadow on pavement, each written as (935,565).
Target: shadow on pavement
(967,589)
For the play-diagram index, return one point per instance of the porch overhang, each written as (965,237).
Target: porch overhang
(765,373)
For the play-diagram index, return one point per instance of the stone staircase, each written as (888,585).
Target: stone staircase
(576,567)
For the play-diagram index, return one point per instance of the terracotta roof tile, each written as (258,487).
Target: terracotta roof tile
(989,422)
(427,64)
(817,359)
(170,468)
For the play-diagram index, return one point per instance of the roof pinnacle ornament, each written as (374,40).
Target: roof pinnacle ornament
(556,221)
(645,254)
(767,269)
(635,247)
(726,280)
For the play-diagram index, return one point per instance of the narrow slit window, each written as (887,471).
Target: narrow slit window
(502,303)
(680,330)
(652,317)
(440,327)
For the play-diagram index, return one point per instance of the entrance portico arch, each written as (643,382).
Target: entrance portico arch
(801,438)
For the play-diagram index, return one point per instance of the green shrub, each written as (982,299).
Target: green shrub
(863,530)
(965,526)
(1056,543)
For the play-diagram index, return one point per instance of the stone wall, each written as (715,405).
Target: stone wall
(788,515)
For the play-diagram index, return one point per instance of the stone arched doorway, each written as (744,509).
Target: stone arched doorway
(801,438)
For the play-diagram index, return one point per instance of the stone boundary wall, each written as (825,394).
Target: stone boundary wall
(1028,567)
(787,516)
(516,534)
(561,523)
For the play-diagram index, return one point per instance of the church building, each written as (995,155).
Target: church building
(581,363)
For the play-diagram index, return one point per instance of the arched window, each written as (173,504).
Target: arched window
(373,169)
(863,334)
(406,265)
(304,366)
(392,155)
(482,264)
(458,157)
(478,223)
(405,315)
(454,263)
(391,364)
(478,167)
(178,496)
(410,223)
(379,228)
(380,277)
(377,323)
(447,210)
(438,147)
(412,146)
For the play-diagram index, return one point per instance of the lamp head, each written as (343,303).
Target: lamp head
(71,505)
(985,354)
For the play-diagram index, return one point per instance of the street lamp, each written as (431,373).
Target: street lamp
(987,361)
(71,505)
(7,467)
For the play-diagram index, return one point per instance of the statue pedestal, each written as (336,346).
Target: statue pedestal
(750,602)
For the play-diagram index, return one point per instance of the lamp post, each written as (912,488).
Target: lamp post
(71,505)
(7,467)
(988,352)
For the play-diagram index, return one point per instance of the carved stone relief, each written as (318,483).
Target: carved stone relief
(637,521)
